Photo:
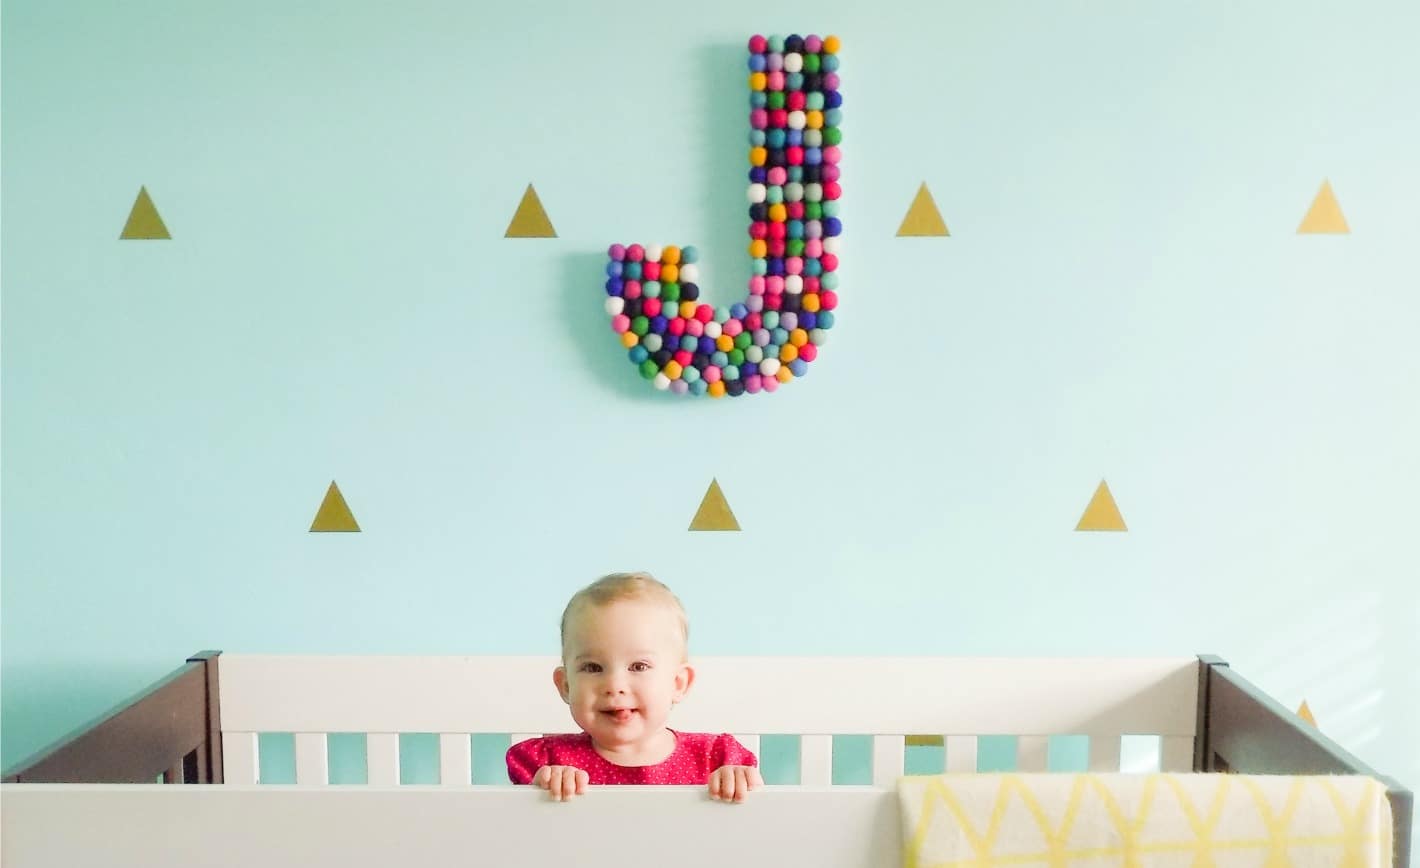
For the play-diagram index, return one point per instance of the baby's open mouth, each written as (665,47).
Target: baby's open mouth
(619,714)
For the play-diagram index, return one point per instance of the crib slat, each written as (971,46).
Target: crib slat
(382,759)
(455,759)
(1032,753)
(240,762)
(312,763)
(1175,753)
(751,742)
(816,760)
(889,754)
(524,736)
(961,753)
(1104,753)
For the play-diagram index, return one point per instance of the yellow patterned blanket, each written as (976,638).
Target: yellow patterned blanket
(1143,821)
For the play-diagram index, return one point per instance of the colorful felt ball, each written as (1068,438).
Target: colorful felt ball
(758,44)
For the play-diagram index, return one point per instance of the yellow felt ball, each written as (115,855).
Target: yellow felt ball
(831,44)
(629,339)
(758,249)
(717,389)
(797,338)
(811,302)
(778,213)
(758,81)
(669,273)
(814,120)
(757,156)
(788,353)
(724,343)
(687,309)
(784,375)
(671,255)
(672,370)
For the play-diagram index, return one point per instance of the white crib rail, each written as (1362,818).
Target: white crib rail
(814,698)
(130,826)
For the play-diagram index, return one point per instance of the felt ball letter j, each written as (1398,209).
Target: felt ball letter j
(682,344)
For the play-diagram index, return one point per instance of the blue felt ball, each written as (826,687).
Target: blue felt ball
(832,99)
(739,311)
(825,319)
(798,367)
(639,354)
(795,138)
(719,359)
(631,271)
(613,269)
(756,138)
(758,99)
(808,320)
(832,226)
(706,345)
(775,138)
(614,286)
(689,343)
(688,255)
(756,63)
(698,387)
(659,324)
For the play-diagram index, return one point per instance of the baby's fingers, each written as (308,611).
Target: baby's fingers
(717,781)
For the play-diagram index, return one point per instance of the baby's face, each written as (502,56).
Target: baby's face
(625,667)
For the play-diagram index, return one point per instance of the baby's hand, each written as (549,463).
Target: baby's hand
(561,782)
(731,783)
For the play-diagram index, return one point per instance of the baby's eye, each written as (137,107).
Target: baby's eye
(640,666)
(590,667)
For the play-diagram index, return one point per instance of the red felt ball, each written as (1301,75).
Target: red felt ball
(635,253)
(705,313)
(829,299)
(651,270)
(651,307)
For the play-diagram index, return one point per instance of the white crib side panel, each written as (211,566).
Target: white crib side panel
(961,753)
(240,758)
(889,755)
(1104,753)
(1175,753)
(816,760)
(154,826)
(904,695)
(1032,753)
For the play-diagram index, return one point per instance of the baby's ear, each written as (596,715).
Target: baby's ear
(683,679)
(559,678)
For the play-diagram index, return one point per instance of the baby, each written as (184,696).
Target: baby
(624,666)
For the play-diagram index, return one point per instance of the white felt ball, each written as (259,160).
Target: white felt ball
(793,62)
(794,284)
(661,382)
(690,273)
(769,367)
(756,193)
(754,354)
(797,120)
(615,304)
(653,253)
(713,329)
(818,337)
(830,244)
(651,342)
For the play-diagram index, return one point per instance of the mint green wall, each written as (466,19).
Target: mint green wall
(1124,297)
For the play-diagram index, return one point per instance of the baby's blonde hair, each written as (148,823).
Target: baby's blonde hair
(614,587)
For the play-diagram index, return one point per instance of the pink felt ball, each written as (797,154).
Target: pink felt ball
(712,374)
(652,306)
(829,262)
(813,44)
(617,252)
(770,384)
(620,323)
(830,81)
(651,270)
(752,384)
(758,229)
(794,265)
(676,327)
(832,154)
(705,313)
(754,322)
(777,231)
(631,289)
(797,100)
(732,327)
(758,44)
(829,172)
(774,284)
(778,176)
(759,119)
(683,357)
(635,253)
(813,248)
(694,327)
(776,80)
(756,285)
(808,352)
(828,299)
(795,155)
(832,191)
(811,284)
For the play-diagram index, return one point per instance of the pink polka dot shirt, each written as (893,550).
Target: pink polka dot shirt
(696,755)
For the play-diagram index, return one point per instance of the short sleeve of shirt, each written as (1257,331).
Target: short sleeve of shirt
(727,751)
(525,758)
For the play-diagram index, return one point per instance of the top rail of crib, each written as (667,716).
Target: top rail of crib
(802,695)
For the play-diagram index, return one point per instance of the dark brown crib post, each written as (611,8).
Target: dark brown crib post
(208,757)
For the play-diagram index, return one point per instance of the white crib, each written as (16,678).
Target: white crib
(202,724)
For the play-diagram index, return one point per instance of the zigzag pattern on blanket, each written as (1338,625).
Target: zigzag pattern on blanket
(1148,821)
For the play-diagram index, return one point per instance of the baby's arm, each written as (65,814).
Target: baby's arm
(561,782)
